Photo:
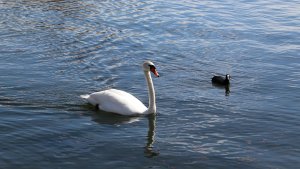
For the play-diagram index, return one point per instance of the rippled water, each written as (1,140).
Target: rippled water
(52,51)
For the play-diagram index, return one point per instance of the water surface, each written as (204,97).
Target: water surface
(53,51)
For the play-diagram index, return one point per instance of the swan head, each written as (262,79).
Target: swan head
(149,66)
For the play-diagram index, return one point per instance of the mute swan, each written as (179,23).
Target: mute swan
(219,80)
(123,103)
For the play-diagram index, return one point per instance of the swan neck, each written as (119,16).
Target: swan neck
(151,93)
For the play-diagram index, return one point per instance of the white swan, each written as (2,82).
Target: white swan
(123,103)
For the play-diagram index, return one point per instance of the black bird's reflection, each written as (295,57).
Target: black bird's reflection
(225,87)
(149,151)
(227,90)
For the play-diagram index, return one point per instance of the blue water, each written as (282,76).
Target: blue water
(53,51)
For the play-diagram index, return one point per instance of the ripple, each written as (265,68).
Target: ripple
(54,51)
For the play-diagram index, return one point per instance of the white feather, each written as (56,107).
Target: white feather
(117,101)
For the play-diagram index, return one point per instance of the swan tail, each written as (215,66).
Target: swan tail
(85,96)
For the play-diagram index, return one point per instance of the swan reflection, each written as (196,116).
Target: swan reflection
(149,151)
(102,117)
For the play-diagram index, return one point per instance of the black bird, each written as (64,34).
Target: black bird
(219,80)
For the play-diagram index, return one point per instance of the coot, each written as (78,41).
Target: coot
(219,80)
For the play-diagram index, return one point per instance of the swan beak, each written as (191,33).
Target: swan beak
(153,70)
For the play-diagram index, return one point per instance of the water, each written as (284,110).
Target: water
(53,51)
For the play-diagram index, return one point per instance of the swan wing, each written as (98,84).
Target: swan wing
(116,101)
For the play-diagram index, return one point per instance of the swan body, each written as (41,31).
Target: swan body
(123,103)
(116,101)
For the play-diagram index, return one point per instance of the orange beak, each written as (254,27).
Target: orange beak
(153,70)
